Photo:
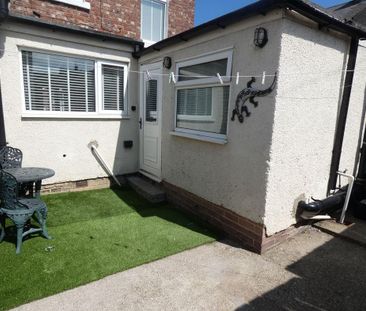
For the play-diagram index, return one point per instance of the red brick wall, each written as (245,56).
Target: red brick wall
(181,16)
(236,227)
(120,17)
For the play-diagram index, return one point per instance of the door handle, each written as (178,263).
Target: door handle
(140,123)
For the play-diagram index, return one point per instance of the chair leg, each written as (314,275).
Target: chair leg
(42,218)
(19,222)
(19,237)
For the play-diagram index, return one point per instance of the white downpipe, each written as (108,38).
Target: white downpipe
(93,145)
(351,180)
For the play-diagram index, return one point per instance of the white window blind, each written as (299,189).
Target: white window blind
(152,20)
(113,87)
(58,83)
(194,102)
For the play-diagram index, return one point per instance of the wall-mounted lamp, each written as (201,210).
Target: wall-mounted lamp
(260,37)
(167,62)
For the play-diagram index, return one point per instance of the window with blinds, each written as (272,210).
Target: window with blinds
(58,83)
(203,109)
(113,88)
(202,101)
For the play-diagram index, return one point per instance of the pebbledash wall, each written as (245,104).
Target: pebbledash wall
(224,184)
(117,17)
(312,66)
(250,187)
(61,143)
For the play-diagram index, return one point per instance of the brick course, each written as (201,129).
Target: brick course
(249,234)
(119,17)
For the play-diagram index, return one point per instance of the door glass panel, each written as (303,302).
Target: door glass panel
(151,100)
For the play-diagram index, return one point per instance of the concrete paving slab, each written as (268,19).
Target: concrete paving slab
(353,229)
(312,271)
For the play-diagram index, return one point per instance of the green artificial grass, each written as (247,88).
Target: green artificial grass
(95,234)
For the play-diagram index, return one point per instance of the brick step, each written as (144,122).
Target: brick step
(147,188)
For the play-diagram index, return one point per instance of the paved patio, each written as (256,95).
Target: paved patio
(313,271)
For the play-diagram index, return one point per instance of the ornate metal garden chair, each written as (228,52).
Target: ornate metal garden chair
(11,157)
(20,210)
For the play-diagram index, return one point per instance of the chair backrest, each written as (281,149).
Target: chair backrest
(8,190)
(10,157)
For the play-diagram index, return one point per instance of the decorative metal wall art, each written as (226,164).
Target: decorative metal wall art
(249,93)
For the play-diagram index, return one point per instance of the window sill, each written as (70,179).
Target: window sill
(78,3)
(220,141)
(74,116)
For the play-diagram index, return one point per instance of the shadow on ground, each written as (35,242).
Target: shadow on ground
(162,210)
(331,277)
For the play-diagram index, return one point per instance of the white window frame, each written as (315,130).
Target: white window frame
(204,82)
(165,34)
(99,113)
(206,59)
(100,86)
(78,3)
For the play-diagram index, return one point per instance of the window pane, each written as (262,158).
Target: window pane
(151,100)
(146,20)
(59,86)
(38,84)
(113,88)
(209,69)
(158,21)
(152,20)
(203,109)
(58,83)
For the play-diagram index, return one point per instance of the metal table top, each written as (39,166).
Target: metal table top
(29,174)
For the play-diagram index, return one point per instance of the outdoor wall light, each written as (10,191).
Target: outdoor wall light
(260,37)
(167,62)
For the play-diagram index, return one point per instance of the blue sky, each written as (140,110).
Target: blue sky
(210,9)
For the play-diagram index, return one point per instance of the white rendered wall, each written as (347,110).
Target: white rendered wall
(307,103)
(45,141)
(232,175)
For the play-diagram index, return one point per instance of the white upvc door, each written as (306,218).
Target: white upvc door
(150,120)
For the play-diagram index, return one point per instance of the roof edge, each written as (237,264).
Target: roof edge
(305,8)
(73,29)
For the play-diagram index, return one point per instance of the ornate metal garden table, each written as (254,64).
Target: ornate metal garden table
(31,174)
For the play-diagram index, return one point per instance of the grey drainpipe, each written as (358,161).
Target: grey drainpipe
(4,12)
(342,118)
(2,124)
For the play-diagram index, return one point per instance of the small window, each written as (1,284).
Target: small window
(113,84)
(203,109)
(153,20)
(205,70)
(201,100)
(78,3)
